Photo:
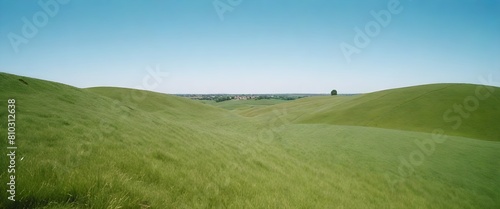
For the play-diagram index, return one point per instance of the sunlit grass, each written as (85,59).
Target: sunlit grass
(98,148)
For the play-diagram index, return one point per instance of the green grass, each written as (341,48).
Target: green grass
(419,108)
(245,105)
(123,148)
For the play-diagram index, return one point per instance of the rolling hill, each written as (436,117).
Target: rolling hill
(458,109)
(122,148)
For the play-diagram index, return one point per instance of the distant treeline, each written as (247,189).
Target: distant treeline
(226,97)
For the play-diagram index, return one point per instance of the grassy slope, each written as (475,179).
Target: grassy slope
(69,135)
(419,108)
(245,104)
(100,148)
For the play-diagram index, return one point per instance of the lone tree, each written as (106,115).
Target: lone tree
(334,92)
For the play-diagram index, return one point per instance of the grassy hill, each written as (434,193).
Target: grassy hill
(123,148)
(419,108)
(244,104)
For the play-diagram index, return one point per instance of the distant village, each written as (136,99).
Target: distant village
(226,97)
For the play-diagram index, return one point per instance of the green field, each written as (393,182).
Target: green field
(240,105)
(122,148)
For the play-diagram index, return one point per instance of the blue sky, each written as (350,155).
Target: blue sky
(260,46)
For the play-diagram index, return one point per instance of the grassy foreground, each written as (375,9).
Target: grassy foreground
(123,148)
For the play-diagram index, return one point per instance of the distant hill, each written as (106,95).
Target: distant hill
(112,147)
(418,108)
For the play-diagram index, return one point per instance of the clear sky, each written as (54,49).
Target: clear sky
(260,46)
